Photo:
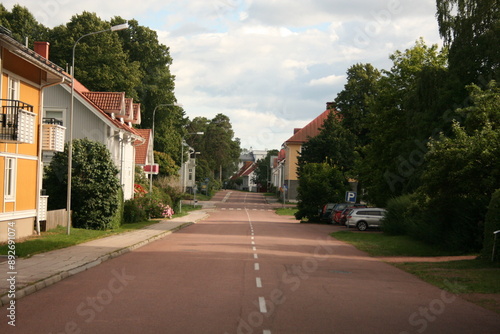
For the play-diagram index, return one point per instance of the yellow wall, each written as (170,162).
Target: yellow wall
(291,161)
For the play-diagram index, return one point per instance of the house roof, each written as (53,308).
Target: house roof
(141,150)
(310,130)
(109,102)
(247,169)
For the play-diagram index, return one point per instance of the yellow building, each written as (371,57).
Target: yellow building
(292,148)
(24,75)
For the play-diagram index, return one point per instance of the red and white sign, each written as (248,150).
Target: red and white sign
(152,169)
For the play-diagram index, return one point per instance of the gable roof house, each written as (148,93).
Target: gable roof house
(246,173)
(105,117)
(25,77)
(292,148)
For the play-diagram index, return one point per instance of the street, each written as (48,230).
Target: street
(245,269)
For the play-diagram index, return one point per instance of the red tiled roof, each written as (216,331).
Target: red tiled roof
(141,150)
(109,102)
(247,168)
(310,130)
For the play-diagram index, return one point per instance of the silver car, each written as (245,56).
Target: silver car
(365,218)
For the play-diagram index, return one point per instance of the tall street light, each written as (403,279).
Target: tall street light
(70,121)
(175,104)
(182,166)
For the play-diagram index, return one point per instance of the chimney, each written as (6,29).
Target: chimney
(330,105)
(42,48)
(296,130)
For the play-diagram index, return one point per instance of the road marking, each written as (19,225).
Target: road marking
(254,248)
(256,266)
(258,281)
(253,242)
(255,256)
(238,209)
(266,331)
(262,305)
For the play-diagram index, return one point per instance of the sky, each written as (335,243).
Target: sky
(269,65)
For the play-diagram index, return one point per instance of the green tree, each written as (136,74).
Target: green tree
(101,64)
(471,30)
(463,170)
(407,110)
(318,178)
(95,186)
(492,224)
(23,25)
(353,102)
(263,171)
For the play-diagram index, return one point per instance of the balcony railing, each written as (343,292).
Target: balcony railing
(17,122)
(53,135)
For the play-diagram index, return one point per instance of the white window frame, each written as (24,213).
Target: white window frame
(10,181)
(13,88)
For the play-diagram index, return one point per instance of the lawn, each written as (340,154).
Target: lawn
(286,211)
(475,280)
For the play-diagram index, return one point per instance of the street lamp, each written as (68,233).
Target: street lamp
(175,104)
(183,168)
(70,120)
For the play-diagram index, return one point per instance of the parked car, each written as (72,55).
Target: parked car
(342,220)
(336,214)
(326,210)
(365,218)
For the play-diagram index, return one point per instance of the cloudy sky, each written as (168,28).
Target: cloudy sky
(269,65)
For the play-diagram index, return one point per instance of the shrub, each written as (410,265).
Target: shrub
(94,180)
(397,219)
(133,212)
(492,224)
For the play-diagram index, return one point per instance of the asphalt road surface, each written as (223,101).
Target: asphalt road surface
(247,270)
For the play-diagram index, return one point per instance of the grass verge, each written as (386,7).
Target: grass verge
(286,211)
(474,280)
(58,238)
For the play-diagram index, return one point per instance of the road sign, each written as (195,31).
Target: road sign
(350,196)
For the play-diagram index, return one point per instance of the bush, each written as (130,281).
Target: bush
(118,217)
(397,221)
(133,212)
(492,224)
(95,185)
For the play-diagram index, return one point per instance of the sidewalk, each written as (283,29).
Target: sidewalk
(41,270)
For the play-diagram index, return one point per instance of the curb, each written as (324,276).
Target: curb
(46,282)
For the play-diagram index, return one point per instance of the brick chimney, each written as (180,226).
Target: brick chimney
(331,105)
(42,48)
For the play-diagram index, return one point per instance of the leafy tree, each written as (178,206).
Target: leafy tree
(492,224)
(407,110)
(318,178)
(23,25)
(463,170)
(166,163)
(94,184)
(471,30)
(353,102)
(101,64)
(262,172)
(334,145)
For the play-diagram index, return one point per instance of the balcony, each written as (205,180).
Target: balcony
(53,135)
(17,122)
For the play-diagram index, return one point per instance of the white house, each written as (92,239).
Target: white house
(105,117)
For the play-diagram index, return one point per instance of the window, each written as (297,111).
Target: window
(13,89)
(55,114)
(10,179)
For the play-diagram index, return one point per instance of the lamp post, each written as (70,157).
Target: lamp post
(70,120)
(182,166)
(175,104)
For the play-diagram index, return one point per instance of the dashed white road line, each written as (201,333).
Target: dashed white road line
(258,282)
(262,305)
(256,266)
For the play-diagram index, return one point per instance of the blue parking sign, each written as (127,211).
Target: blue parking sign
(350,196)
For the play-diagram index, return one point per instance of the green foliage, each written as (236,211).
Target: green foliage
(133,212)
(263,171)
(492,224)
(95,186)
(117,220)
(398,218)
(166,163)
(319,183)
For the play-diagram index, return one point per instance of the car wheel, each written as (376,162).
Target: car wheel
(362,226)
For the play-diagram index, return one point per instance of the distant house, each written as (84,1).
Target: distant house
(25,77)
(246,173)
(105,117)
(292,148)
